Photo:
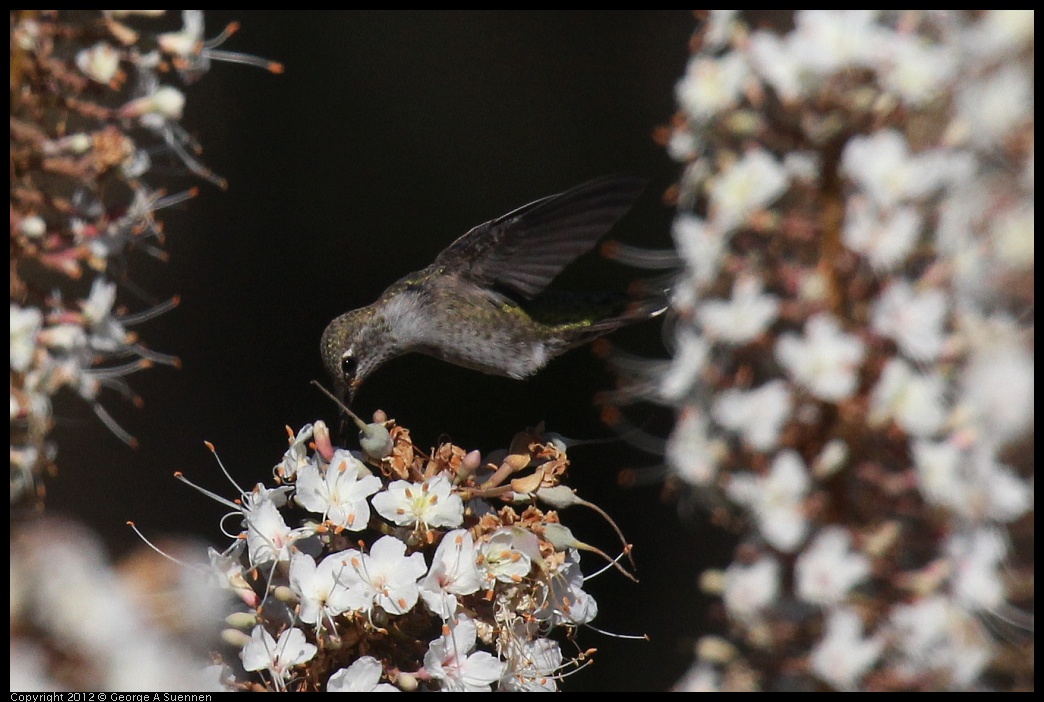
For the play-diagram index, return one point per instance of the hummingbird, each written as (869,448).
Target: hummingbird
(482,303)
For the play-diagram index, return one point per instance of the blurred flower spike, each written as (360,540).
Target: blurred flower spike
(853,344)
(94,110)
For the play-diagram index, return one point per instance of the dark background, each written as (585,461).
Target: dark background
(389,135)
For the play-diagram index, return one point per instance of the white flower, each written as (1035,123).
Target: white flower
(691,451)
(1002,495)
(339,491)
(296,457)
(757,415)
(970,483)
(277,496)
(826,570)
(960,218)
(885,239)
(843,656)
(92,615)
(226,569)
(188,41)
(432,503)
(682,145)
(917,71)
(163,104)
(914,320)
(719,28)
(938,476)
(992,107)
(531,665)
(322,595)
(683,295)
(803,165)
(385,577)
(934,634)
(700,245)
(192,53)
(63,338)
(976,557)
(264,653)
(508,554)
(151,662)
(1012,236)
(741,318)
(831,459)
(773,61)
(825,361)
(745,187)
(99,63)
(997,386)
(453,572)
(751,588)
(883,167)
(25,323)
(268,536)
(450,661)
(34,226)
(98,305)
(568,603)
(690,357)
(914,400)
(363,675)
(777,499)
(107,334)
(701,677)
(826,41)
(712,85)
(1000,33)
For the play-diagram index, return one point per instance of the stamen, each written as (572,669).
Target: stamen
(641,258)
(112,426)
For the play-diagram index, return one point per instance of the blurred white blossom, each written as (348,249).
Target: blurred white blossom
(856,218)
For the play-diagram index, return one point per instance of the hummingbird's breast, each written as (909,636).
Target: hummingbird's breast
(476,329)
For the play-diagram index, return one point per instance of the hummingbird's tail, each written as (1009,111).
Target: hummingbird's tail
(631,311)
(636,311)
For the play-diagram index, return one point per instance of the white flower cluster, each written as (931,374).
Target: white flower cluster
(79,622)
(91,110)
(89,116)
(853,363)
(404,572)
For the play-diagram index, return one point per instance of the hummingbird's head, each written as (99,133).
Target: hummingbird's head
(349,351)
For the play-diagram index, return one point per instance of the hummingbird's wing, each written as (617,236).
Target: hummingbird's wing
(525,249)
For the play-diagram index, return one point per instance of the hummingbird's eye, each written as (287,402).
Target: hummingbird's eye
(349,365)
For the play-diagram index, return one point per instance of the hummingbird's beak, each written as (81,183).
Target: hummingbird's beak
(350,393)
(347,395)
